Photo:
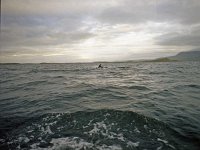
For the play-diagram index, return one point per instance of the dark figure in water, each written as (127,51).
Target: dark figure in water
(100,66)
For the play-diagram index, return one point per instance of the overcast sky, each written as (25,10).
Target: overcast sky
(97,30)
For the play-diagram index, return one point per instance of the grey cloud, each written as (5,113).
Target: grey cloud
(41,26)
(141,11)
(128,12)
(31,24)
(41,30)
(185,12)
(180,40)
(52,38)
(68,22)
(114,11)
(52,7)
(17,38)
(184,38)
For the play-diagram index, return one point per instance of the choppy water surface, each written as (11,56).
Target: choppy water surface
(122,106)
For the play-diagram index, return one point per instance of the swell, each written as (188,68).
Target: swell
(94,129)
(32,83)
(186,86)
(137,87)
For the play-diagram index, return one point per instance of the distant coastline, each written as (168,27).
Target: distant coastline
(193,55)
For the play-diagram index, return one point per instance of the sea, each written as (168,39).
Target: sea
(133,106)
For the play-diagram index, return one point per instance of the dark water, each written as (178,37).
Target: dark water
(123,106)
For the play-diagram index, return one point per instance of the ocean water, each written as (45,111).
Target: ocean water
(122,106)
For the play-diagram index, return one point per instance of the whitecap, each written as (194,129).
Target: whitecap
(132,144)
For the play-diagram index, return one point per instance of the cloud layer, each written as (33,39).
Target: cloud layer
(80,31)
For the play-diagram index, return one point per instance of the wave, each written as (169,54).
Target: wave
(194,86)
(137,87)
(93,129)
(32,83)
(187,86)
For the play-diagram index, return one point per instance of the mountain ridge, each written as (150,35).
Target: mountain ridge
(192,55)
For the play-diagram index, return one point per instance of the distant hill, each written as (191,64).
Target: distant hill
(165,59)
(193,55)
(187,56)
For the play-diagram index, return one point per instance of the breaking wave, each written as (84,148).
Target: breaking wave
(100,129)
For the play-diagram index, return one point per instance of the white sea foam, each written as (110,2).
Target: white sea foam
(74,143)
(159,148)
(107,114)
(164,141)
(30,131)
(103,129)
(2,140)
(34,146)
(53,123)
(94,130)
(145,126)
(46,130)
(136,130)
(23,139)
(97,127)
(121,137)
(132,144)
(112,147)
